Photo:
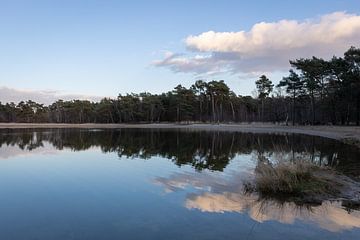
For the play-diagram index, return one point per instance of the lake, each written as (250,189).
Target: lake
(161,184)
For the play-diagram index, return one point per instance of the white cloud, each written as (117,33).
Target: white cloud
(267,46)
(40,96)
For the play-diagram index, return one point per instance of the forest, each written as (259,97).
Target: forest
(316,91)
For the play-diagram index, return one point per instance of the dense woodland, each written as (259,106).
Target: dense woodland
(316,91)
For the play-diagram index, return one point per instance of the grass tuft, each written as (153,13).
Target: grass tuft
(300,180)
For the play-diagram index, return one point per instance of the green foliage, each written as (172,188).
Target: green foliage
(293,83)
(264,86)
(316,92)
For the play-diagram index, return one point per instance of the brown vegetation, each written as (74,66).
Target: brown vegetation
(300,181)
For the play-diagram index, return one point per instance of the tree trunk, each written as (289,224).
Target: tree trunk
(111,117)
(358,110)
(178,114)
(200,117)
(293,111)
(348,115)
(213,107)
(152,114)
(233,111)
(262,110)
(313,108)
(333,112)
(221,113)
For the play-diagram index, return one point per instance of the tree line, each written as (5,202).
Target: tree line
(316,91)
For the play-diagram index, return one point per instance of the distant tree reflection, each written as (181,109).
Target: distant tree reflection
(211,150)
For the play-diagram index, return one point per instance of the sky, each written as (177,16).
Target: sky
(93,49)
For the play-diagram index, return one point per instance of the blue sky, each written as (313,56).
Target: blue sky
(102,48)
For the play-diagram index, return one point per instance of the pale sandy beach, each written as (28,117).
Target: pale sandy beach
(350,134)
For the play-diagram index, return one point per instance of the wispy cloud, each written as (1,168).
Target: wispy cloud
(197,64)
(40,96)
(267,46)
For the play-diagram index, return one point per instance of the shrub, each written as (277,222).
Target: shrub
(300,179)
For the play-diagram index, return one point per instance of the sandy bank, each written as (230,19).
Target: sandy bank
(350,134)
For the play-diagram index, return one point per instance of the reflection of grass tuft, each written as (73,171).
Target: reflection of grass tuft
(301,181)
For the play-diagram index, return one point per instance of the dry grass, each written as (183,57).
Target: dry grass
(298,180)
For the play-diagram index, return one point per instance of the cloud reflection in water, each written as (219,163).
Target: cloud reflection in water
(224,193)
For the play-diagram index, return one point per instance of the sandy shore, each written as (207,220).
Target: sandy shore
(346,133)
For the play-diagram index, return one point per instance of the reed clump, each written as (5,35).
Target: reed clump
(301,180)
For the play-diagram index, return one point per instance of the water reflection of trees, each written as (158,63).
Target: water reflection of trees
(202,149)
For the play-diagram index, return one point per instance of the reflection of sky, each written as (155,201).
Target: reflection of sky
(62,194)
(223,192)
(11,151)
(237,171)
(79,195)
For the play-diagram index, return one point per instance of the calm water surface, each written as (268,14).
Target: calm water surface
(160,184)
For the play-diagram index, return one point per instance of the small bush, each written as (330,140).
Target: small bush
(300,179)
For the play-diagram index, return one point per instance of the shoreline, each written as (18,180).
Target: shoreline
(347,134)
